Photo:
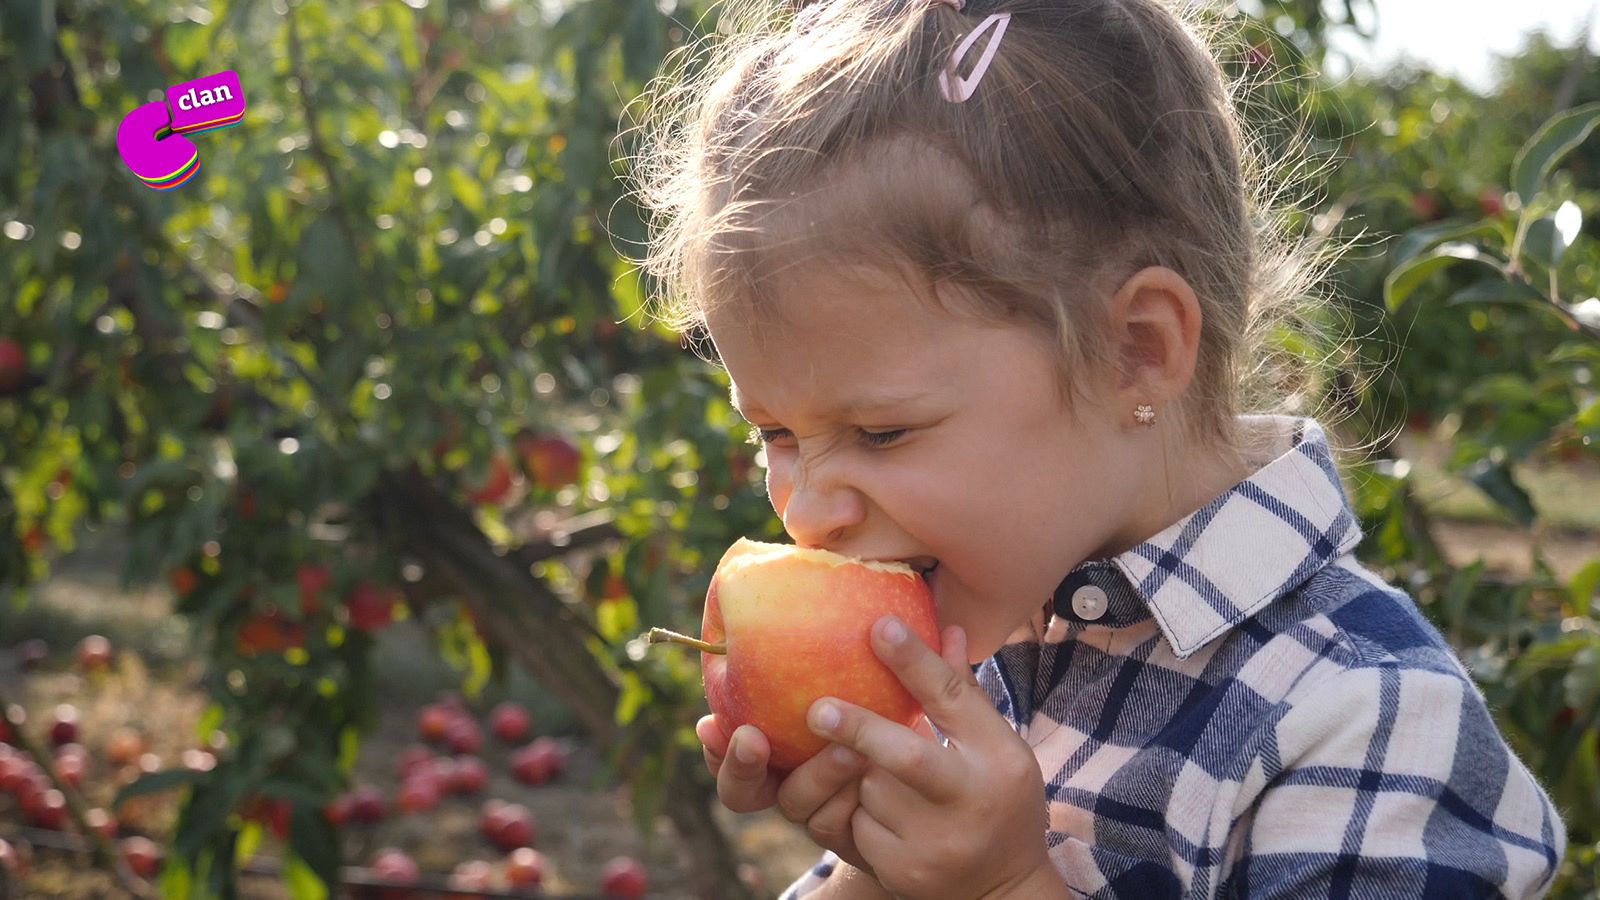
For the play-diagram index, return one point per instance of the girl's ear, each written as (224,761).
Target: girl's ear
(1155,323)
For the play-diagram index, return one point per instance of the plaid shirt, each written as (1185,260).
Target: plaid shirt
(1238,708)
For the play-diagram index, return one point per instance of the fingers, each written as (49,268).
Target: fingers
(944,685)
(744,783)
(817,781)
(934,771)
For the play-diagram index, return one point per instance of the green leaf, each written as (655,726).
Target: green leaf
(1407,277)
(1557,137)
(1501,290)
(1583,586)
(1419,239)
(1496,480)
(249,842)
(1549,237)
(156,782)
(303,884)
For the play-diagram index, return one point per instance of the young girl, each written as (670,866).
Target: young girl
(996,284)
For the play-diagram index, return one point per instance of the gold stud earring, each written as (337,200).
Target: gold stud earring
(1145,413)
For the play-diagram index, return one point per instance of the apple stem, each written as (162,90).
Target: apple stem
(663,636)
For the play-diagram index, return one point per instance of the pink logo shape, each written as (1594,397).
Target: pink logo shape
(150,138)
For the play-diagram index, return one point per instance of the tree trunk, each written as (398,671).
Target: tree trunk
(550,640)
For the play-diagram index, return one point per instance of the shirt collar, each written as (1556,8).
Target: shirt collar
(1218,566)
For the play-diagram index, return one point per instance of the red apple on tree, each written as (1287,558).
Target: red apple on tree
(13,366)
(370,607)
(142,855)
(552,461)
(314,579)
(497,482)
(785,626)
(64,726)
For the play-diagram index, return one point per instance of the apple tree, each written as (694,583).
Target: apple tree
(380,358)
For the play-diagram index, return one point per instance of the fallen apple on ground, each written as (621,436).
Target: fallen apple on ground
(786,625)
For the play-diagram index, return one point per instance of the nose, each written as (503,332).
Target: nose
(818,508)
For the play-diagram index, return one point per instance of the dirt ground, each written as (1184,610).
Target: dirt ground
(583,822)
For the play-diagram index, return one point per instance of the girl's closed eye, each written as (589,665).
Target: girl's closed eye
(760,435)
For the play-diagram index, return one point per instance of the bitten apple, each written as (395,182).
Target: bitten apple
(786,625)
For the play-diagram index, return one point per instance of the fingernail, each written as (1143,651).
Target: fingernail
(745,752)
(893,631)
(827,717)
(845,756)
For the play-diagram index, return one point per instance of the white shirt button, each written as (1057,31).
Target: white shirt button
(1089,602)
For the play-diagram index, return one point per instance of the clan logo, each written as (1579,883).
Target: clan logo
(152,138)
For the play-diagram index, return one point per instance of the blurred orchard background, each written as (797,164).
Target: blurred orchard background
(338,484)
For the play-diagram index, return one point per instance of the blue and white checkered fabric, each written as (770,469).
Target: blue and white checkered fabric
(1256,714)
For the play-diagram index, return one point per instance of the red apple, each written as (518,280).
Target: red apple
(12,864)
(268,632)
(464,736)
(314,579)
(525,867)
(64,727)
(395,867)
(784,626)
(509,825)
(539,762)
(413,758)
(340,810)
(420,793)
(102,822)
(473,875)
(71,766)
(552,461)
(469,776)
(433,722)
(94,652)
(510,723)
(124,747)
(1491,201)
(142,855)
(49,810)
(624,878)
(13,366)
(1425,206)
(367,806)
(370,607)
(497,482)
(184,581)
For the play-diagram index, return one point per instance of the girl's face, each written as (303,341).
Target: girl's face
(895,432)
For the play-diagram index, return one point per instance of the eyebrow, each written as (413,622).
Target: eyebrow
(872,402)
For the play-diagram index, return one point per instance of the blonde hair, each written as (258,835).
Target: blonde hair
(1104,138)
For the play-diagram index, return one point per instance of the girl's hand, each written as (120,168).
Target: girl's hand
(964,820)
(820,794)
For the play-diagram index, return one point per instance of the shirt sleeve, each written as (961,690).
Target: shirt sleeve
(813,879)
(1392,782)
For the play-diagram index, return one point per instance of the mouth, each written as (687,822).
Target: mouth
(924,566)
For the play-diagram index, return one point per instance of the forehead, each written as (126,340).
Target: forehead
(837,346)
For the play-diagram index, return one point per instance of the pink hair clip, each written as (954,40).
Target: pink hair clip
(954,88)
